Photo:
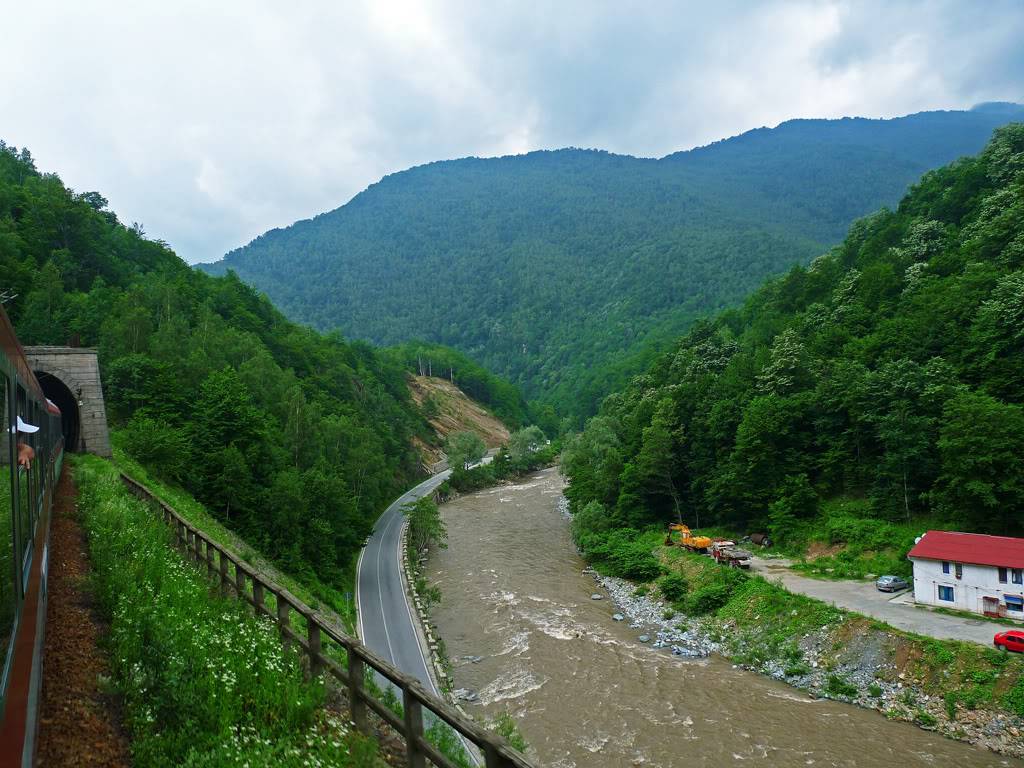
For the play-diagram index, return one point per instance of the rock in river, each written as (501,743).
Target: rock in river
(618,617)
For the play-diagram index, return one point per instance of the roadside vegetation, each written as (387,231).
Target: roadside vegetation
(527,451)
(203,681)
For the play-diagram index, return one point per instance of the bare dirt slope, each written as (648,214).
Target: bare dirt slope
(452,411)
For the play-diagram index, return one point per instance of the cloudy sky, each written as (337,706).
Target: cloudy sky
(211,122)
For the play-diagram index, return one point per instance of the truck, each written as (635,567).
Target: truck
(727,553)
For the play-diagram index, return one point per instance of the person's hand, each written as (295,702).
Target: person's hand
(25,455)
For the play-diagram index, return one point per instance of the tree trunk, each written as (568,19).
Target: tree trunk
(906,496)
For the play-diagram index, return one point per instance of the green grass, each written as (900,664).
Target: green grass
(440,734)
(204,682)
(308,588)
(838,686)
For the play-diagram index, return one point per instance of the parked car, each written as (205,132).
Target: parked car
(891,584)
(1011,640)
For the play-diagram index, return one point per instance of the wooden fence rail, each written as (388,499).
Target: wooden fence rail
(235,577)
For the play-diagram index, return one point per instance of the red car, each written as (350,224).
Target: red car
(1011,640)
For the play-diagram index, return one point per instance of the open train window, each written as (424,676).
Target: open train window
(26,486)
(8,580)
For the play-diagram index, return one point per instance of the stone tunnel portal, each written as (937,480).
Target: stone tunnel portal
(70,377)
(71,420)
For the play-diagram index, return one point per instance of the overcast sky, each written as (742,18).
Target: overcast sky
(211,122)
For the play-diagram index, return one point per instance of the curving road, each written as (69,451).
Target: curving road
(386,622)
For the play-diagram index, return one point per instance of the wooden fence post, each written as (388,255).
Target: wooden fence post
(316,664)
(210,567)
(356,680)
(257,596)
(491,757)
(283,620)
(413,711)
(239,582)
(225,582)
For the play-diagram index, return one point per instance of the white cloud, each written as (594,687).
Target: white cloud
(212,122)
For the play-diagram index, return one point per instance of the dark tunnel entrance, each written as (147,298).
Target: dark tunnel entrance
(57,391)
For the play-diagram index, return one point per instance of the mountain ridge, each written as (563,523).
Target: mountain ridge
(559,266)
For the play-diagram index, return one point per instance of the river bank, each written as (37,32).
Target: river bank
(847,658)
(526,638)
(861,673)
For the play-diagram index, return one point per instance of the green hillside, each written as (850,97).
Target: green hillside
(566,271)
(294,439)
(884,379)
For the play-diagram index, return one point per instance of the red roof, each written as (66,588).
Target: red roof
(974,548)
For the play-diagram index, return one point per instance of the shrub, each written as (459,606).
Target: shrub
(951,699)
(839,686)
(673,586)
(1015,698)
(621,552)
(708,599)
(158,445)
(924,718)
(506,726)
(875,691)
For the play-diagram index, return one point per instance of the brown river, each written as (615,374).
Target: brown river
(586,693)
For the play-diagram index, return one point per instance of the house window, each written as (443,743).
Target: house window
(1014,605)
(945,567)
(946,594)
(1017,574)
(959,570)
(1002,575)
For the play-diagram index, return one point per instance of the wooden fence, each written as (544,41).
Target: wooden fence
(237,578)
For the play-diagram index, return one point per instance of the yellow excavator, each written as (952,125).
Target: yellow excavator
(686,538)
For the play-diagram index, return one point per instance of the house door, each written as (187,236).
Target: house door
(990,606)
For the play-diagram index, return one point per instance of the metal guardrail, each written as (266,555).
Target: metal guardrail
(237,578)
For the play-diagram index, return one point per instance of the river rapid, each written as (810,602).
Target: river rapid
(587,693)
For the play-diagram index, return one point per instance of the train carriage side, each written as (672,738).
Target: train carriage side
(30,465)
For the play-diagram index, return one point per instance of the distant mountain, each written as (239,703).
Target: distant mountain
(565,270)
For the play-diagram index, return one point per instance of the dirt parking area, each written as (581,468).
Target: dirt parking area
(897,610)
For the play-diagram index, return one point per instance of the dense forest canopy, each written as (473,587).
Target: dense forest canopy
(295,439)
(567,271)
(888,372)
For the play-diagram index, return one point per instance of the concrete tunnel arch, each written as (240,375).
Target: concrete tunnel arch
(70,377)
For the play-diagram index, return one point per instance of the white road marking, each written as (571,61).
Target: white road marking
(380,594)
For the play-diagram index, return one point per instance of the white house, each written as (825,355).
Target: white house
(970,572)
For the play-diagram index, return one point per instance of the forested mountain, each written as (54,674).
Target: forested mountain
(565,270)
(294,439)
(887,373)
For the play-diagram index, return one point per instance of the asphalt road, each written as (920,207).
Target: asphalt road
(898,610)
(387,624)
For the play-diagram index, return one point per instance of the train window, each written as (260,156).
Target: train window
(8,581)
(23,476)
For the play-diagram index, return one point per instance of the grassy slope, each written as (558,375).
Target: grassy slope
(204,682)
(314,593)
